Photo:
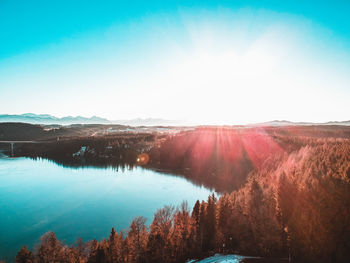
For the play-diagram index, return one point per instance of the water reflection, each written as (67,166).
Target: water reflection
(81,163)
(38,195)
(117,165)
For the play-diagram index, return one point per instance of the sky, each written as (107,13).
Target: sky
(210,62)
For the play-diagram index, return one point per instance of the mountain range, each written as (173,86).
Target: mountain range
(49,119)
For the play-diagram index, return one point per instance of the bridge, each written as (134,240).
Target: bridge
(12,143)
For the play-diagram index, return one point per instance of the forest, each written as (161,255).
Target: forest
(284,193)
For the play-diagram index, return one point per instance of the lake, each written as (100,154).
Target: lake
(37,196)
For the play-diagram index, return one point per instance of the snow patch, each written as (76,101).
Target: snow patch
(217,258)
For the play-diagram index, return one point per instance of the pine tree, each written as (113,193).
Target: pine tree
(93,251)
(24,256)
(158,240)
(50,249)
(224,236)
(196,227)
(113,252)
(182,235)
(202,225)
(210,221)
(137,240)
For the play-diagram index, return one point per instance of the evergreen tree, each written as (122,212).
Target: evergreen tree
(93,251)
(50,249)
(210,224)
(196,227)
(137,240)
(113,251)
(158,240)
(24,256)
(182,234)
(224,236)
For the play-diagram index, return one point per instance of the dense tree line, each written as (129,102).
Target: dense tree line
(119,150)
(222,157)
(172,237)
(294,204)
(217,157)
(18,131)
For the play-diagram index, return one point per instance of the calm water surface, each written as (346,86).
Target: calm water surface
(37,196)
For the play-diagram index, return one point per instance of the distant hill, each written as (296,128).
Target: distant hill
(49,119)
(277,123)
(150,122)
(338,123)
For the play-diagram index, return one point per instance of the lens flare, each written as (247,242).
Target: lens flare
(142,159)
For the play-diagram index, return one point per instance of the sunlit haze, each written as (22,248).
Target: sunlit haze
(220,63)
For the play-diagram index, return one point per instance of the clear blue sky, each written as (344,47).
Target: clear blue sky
(207,61)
